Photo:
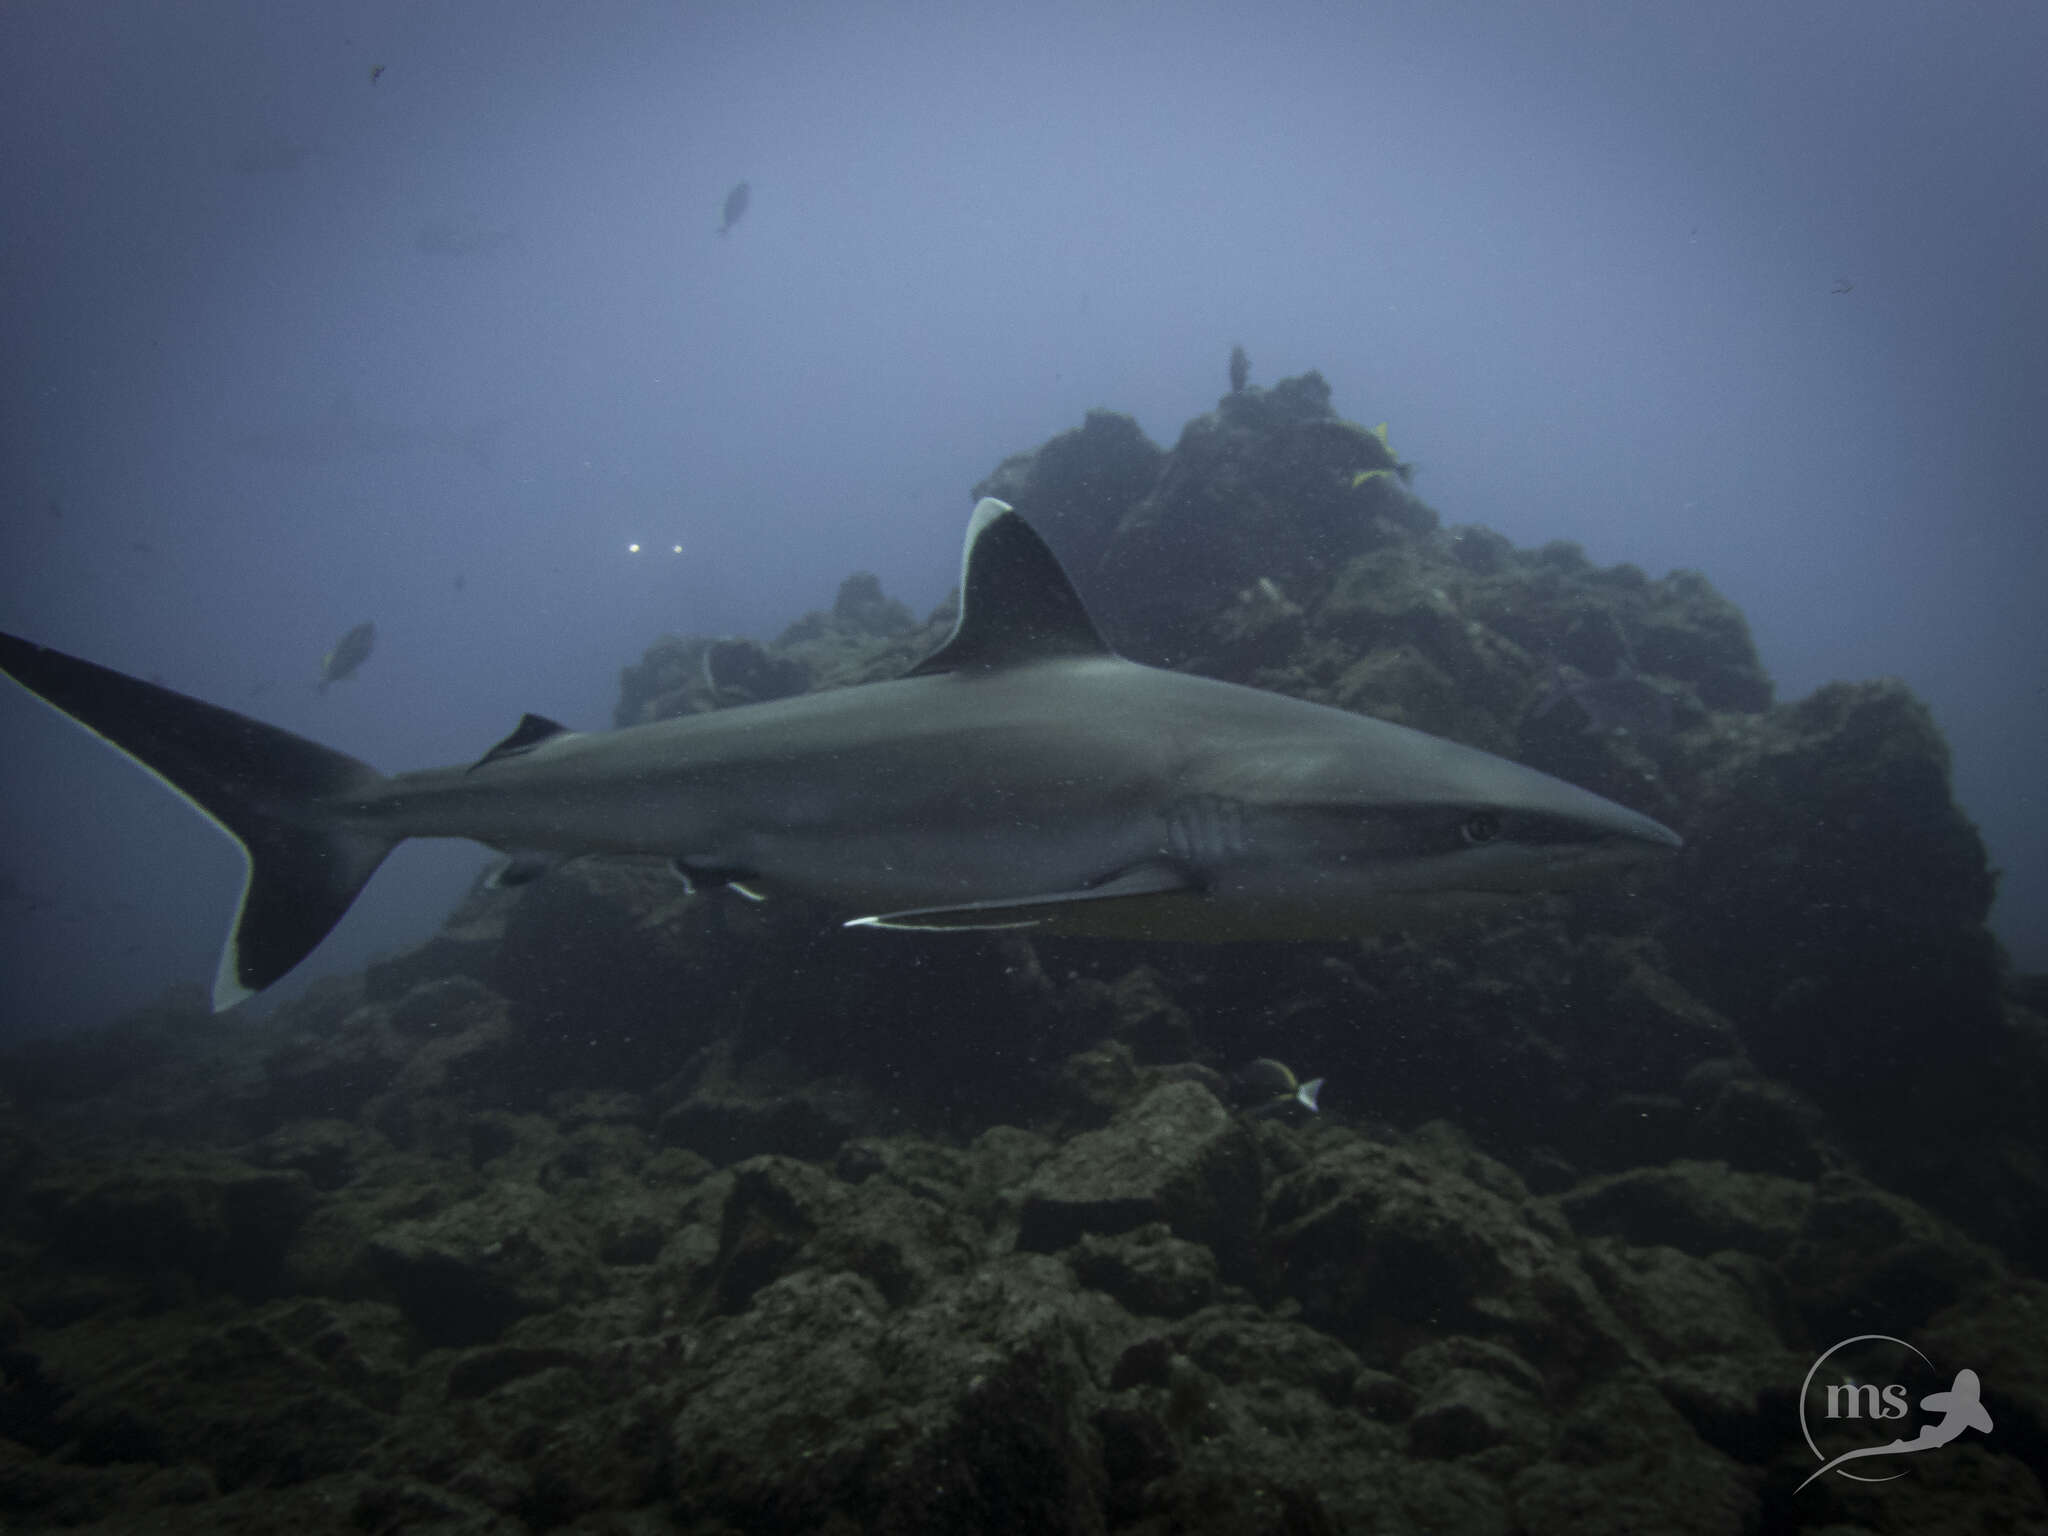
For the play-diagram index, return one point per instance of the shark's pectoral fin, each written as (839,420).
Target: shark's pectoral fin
(530,732)
(1151,881)
(975,917)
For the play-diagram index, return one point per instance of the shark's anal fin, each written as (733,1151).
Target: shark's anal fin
(530,732)
(1153,878)
(1016,602)
(701,873)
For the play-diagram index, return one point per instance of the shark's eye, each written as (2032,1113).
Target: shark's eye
(1480,827)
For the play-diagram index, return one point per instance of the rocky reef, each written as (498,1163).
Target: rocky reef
(611,1208)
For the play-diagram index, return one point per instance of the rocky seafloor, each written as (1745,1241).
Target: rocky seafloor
(613,1208)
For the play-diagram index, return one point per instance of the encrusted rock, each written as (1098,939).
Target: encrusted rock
(1694,1206)
(961,1413)
(1384,1246)
(221,1222)
(1627,1462)
(1150,1270)
(464,1273)
(1177,1157)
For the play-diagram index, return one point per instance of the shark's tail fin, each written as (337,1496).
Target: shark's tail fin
(266,788)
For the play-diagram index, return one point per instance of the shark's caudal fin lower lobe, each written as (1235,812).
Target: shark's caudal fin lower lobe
(260,785)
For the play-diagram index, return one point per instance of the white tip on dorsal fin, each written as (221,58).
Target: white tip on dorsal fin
(1016,603)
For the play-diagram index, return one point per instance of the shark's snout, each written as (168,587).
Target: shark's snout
(1640,840)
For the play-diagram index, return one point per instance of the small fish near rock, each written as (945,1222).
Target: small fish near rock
(1268,1088)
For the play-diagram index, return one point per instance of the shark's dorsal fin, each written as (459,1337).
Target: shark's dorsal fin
(531,731)
(1016,603)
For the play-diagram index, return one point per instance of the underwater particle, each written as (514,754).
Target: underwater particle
(376,70)
(736,205)
(632,549)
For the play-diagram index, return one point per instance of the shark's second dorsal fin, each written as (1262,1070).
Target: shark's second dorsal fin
(1016,603)
(531,731)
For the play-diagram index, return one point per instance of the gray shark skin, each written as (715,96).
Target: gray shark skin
(1021,776)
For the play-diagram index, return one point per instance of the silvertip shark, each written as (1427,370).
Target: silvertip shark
(1021,776)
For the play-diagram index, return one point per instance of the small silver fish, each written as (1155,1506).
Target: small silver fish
(349,653)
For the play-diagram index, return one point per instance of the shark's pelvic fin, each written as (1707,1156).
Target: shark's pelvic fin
(1016,603)
(1154,878)
(700,872)
(523,866)
(260,785)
